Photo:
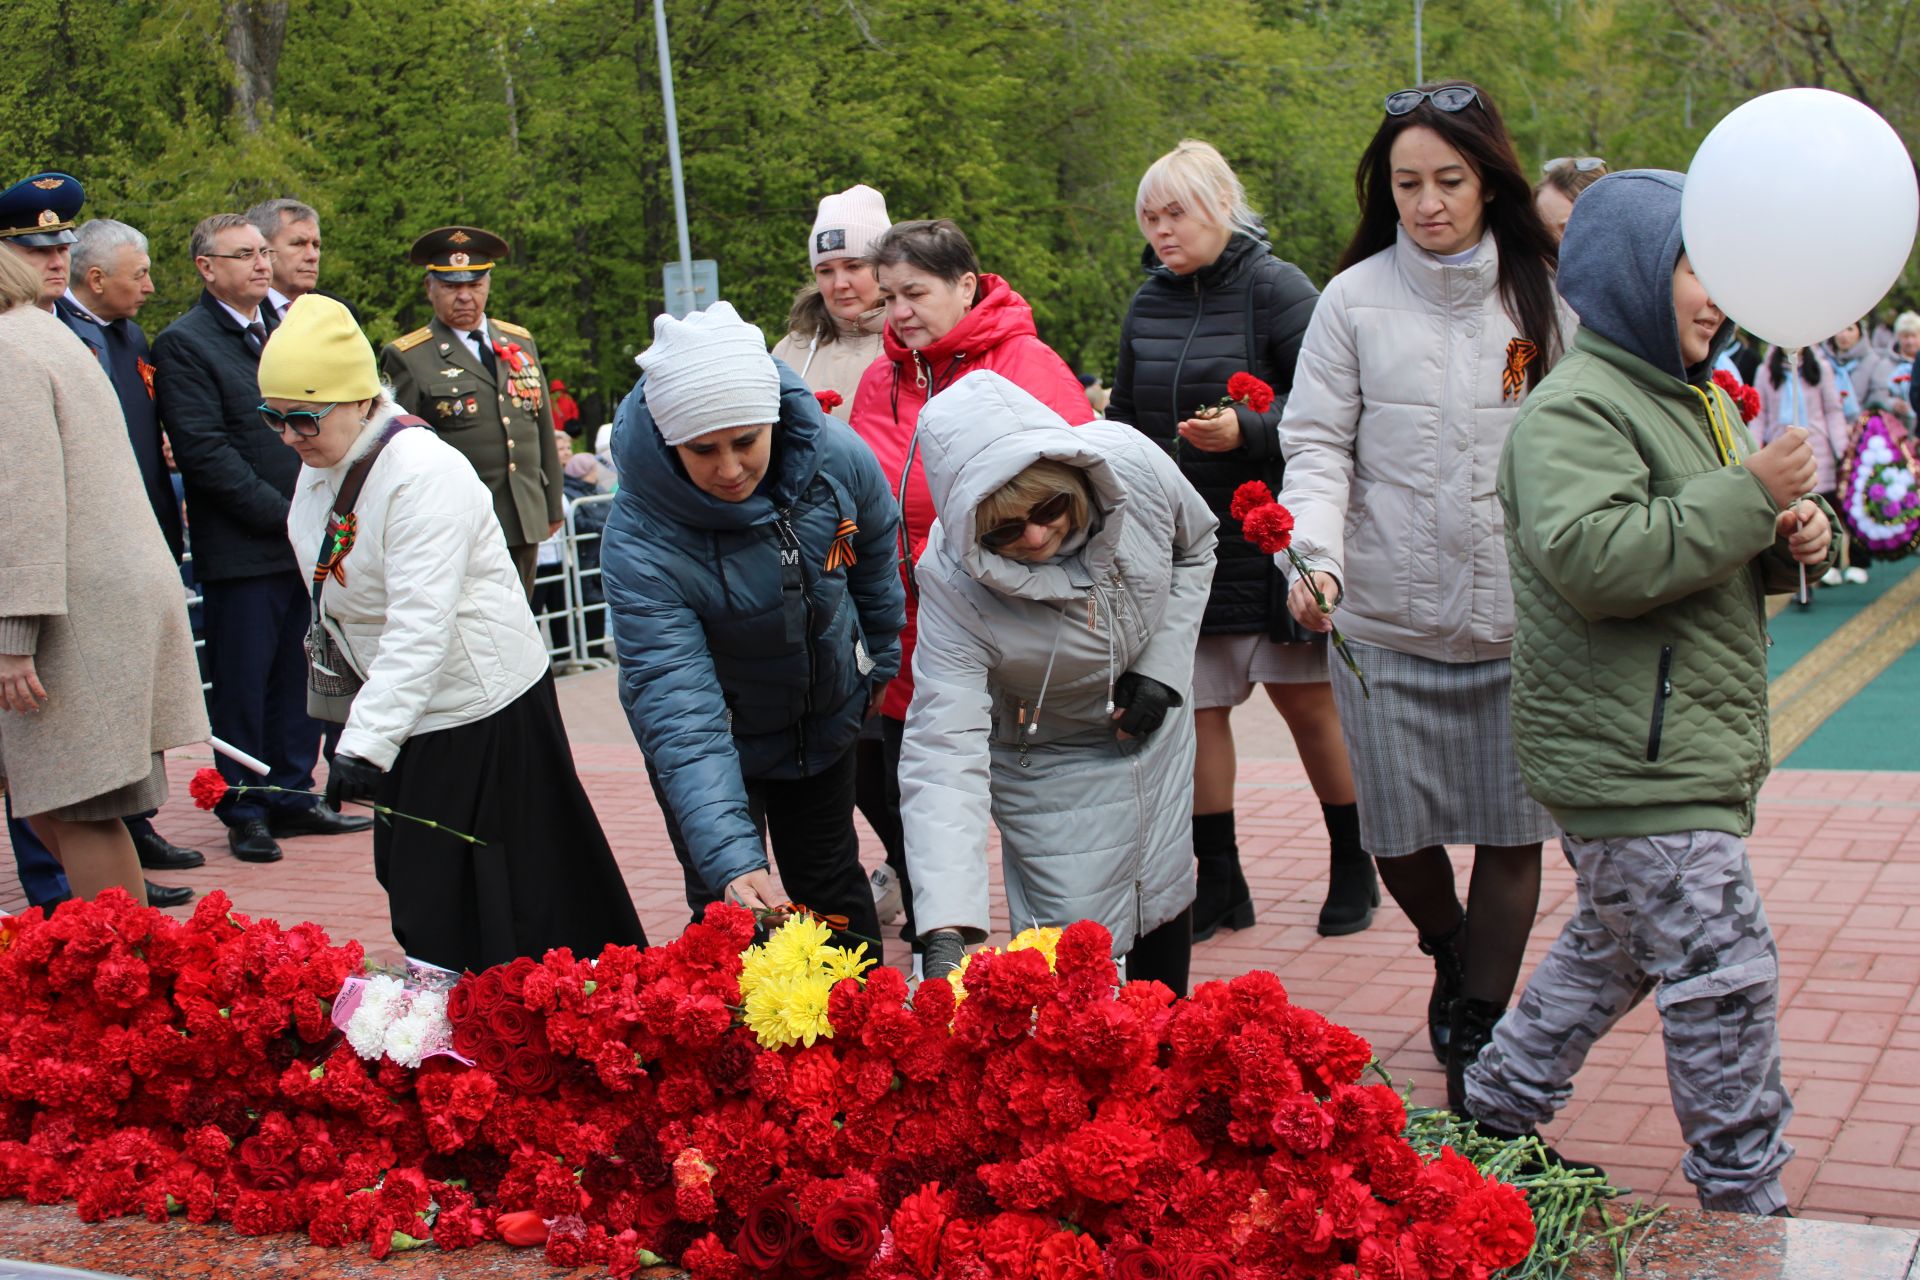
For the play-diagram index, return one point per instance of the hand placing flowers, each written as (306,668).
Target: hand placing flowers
(1269,526)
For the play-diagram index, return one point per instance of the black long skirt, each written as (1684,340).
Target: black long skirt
(545,876)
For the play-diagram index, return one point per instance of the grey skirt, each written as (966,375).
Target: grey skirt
(1432,753)
(147,793)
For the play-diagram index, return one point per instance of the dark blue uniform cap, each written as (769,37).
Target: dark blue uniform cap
(39,211)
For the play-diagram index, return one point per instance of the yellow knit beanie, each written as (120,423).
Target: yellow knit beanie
(318,353)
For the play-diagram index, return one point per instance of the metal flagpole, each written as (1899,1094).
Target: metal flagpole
(673,145)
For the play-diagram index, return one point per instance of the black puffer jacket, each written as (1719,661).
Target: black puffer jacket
(1184,336)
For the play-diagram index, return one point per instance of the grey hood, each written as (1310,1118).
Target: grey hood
(982,432)
(1616,267)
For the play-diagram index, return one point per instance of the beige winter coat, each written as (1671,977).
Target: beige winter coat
(837,365)
(1392,438)
(86,583)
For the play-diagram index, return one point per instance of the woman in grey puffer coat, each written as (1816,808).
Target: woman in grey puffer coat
(1052,679)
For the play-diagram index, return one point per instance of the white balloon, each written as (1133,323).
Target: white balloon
(1799,213)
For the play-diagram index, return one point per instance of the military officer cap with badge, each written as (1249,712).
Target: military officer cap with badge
(38,212)
(458,255)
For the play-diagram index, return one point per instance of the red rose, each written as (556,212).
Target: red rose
(829,400)
(522,1230)
(460,1002)
(1138,1262)
(767,1231)
(468,1038)
(207,788)
(849,1229)
(1250,391)
(1066,1256)
(491,1056)
(1270,528)
(530,1071)
(511,1023)
(808,1261)
(1203,1266)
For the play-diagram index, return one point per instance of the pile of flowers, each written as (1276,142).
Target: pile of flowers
(1879,499)
(698,1102)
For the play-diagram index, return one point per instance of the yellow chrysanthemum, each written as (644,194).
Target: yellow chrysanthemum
(785,984)
(839,962)
(788,1010)
(792,947)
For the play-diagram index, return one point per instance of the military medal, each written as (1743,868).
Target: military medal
(440,407)
(473,405)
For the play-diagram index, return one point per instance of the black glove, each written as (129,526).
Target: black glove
(942,954)
(1145,702)
(351,778)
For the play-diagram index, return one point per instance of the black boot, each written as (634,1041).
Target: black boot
(1472,1024)
(1353,891)
(1449,971)
(1221,896)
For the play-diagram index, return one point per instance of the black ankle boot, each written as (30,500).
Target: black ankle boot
(1220,897)
(1471,1026)
(1353,890)
(1449,971)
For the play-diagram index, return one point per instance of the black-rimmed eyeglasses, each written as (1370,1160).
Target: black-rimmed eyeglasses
(304,423)
(1005,535)
(245,255)
(1453,97)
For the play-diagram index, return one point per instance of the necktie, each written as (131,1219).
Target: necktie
(257,336)
(486,353)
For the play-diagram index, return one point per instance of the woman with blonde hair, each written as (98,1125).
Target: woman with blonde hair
(1217,302)
(97,673)
(833,332)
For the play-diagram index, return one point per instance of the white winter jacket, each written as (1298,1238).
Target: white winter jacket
(432,614)
(1392,438)
(1090,827)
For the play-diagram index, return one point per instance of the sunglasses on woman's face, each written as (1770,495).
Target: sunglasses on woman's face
(1454,97)
(1005,535)
(304,423)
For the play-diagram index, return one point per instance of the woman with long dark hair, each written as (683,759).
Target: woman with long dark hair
(1442,318)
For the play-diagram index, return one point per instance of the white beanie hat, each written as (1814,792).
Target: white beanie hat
(846,224)
(708,372)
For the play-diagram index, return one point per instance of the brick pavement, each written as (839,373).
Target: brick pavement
(1837,855)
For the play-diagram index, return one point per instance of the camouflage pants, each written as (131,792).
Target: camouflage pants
(1676,916)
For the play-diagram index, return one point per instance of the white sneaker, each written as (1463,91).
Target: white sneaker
(1831,578)
(886,893)
(1857,576)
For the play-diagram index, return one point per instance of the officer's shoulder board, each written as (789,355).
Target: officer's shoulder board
(412,340)
(507,326)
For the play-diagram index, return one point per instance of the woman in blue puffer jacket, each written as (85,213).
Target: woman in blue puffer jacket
(756,605)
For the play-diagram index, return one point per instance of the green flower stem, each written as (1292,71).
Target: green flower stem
(380,809)
(1339,641)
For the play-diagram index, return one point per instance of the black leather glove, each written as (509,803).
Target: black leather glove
(351,778)
(1145,702)
(942,954)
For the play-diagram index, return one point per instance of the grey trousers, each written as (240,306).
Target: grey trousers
(1676,916)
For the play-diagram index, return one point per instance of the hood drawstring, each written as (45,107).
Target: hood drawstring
(1720,422)
(1030,723)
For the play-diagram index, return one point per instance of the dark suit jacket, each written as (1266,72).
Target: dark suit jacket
(121,353)
(239,476)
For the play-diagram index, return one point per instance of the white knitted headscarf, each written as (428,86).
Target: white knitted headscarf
(708,372)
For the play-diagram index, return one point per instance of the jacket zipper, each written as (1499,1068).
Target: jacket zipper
(1662,690)
(790,541)
(1180,365)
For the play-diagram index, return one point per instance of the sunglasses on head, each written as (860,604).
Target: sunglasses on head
(304,423)
(1454,97)
(1579,164)
(1005,535)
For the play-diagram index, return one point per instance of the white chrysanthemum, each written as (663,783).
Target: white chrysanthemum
(367,1031)
(431,1005)
(408,1039)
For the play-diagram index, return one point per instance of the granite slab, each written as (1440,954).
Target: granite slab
(1694,1244)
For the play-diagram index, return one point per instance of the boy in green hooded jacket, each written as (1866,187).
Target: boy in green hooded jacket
(1644,528)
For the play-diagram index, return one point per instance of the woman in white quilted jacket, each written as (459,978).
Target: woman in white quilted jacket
(1420,352)
(456,720)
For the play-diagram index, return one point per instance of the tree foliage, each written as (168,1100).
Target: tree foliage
(1027,121)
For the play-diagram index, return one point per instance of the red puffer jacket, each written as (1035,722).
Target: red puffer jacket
(997,334)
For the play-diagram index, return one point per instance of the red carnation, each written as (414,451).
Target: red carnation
(1250,391)
(1269,528)
(1744,397)
(207,788)
(829,400)
(1249,498)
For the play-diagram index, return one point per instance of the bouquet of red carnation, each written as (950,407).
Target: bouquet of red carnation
(829,400)
(1744,397)
(1269,526)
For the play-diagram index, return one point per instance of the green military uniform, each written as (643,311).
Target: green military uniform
(501,419)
